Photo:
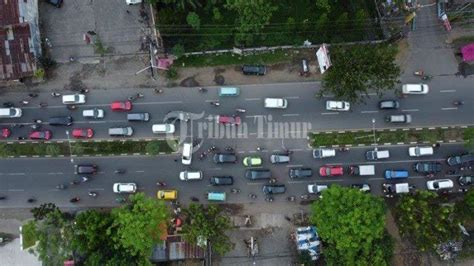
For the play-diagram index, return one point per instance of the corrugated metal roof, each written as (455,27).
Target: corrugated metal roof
(9,12)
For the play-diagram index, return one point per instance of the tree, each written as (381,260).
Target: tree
(351,223)
(468,136)
(209,224)
(253,15)
(425,221)
(40,212)
(358,69)
(193,20)
(139,225)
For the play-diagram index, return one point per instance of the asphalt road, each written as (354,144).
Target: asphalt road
(23,178)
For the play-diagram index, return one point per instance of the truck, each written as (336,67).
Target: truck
(362,170)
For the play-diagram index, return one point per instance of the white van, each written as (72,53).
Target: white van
(418,151)
(278,103)
(374,155)
(74,99)
(187,153)
(10,112)
(362,170)
(190,175)
(163,128)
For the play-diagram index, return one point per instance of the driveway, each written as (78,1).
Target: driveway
(116,24)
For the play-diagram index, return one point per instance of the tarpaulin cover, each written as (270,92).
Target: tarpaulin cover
(468,52)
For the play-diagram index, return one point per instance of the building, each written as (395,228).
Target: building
(175,248)
(307,238)
(20,43)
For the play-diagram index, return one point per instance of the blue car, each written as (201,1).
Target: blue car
(396,174)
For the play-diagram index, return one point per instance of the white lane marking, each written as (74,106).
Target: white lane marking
(369,112)
(301,182)
(256,184)
(296,149)
(149,103)
(139,171)
(447,91)
(292,97)
(15,190)
(332,113)
(410,110)
(252,99)
(290,114)
(96,189)
(294,165)
(97,122)
(410,177)
(449,108)
(16,173)
(250,116)
(253,133)
(327,96)
(56,173)
(370,94)
(215,169)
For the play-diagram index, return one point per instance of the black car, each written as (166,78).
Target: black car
(86,169)
(221,180)
(225,158)
(299,172)
(465,180)
(463,160)
(427,167)
(274,189)
(254,70)
(60,121)
(56,3)
(389,104)
(257,174)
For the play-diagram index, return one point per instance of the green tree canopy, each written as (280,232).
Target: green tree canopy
(357,70)
(138,226)
(209,224)
(425,221)
(351,223)
(193,20)
(253,15)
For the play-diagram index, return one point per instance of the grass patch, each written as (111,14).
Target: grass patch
(29,234)
(273,57)
(386,136)
(85,148)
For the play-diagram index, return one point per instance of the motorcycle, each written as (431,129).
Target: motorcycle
(56,94)
(292,198)
(272,180)
(202,156)
(202,90)
(159,91)
(304,196)
(31,200)
(33,95)
(37,121)
(84,90)
(24,102)
(21,138)
(458,103)
(84,179)
(194,199)
(215,103)
(161,184)
(3,197)
(239,110)
(269,198)
(36,126)
(75,199)
(42,105)
(229,149)
(235,190)
(61,186)
(419,73)
(74,182)
(120,200)
(92,194)
(71,107)
(119,171)
(427,77)
(343,149)
(252,196)
(8,104)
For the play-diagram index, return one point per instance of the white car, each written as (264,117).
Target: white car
(415,88)
(420,151)
(190,175)
(323,153)
(438,184)
(133,2)
(316,189)
(338,106)
(74,99)
(125,187)
(276,103)
(95,113)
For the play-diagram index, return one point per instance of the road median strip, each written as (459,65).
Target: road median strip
(85,148)
(392,136)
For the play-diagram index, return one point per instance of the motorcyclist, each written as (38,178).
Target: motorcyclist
(75,199)
(119,171)
(92,194)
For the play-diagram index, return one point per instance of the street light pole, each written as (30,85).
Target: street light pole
(69,144)
(373,132)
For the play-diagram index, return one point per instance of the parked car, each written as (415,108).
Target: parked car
(74,99)
(275,103)
(300,172)
(259,70)
(60,121)
(316,189)
(138,117)
(250,161)
(463,159)
(338,106)
(225,158)
(391,190)
(6,132)
(465,180)
(41,134)
(389,104)
(120,131)
(438,184)
(95,113)
(118,106)
(396,174)
(376,154)
(190,175)
(415,88)
(221,180)
(257,174)
(163,128)
(169,194)
(279,158)
(228,120)
(83,133)
(361,187)
(398,118)
(331,170)
(420,151)
(323,153)
(133,2)
(427,167)
(274,189)
(85,169)
(125,188)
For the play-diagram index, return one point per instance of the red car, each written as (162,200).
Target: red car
(121,106)
(331,170)
(80,133)
(228,120)
(41,134)
(6,133)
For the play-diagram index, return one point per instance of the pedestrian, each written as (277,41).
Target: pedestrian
(128,12)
